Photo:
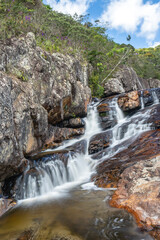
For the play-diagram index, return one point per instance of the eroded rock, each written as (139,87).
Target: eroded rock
(138,148)
(139,192)
(129,101)
(99,142)
(37,88)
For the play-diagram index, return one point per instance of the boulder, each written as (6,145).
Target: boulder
(112,87)
(99,142)
(125,79)
(73,123)
(129,101)
(139,192)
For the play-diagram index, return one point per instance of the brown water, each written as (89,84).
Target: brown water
(77,216)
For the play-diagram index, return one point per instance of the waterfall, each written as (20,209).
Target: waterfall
(45,177)
(142,100)
(51,175)
(155,98)
(115,111)
(128,127)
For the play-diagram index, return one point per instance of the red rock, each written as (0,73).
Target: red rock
(129,101)
(5,205)
(104,107)
(139,192)
(146,146)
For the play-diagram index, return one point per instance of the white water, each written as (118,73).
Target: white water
(142,100)
(155,98)
(115,111)
(53,178)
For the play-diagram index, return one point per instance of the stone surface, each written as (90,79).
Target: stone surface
(99,142)
(145,146)
(104,109)
(5,205)
(73,123)
(125,79)
(139,192)
(113,86)
(36,89)
(57,135)
(129,101)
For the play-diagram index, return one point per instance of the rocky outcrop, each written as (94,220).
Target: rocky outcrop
(139,192)
(136,149)
(38,90)
(129,101)
(126,80)
(99,142)
(5,205)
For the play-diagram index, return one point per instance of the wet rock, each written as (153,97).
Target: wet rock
(99,142)
(73,123)
(5,205)
(129,101)
(104,109)
(146,146)
(62,155)
(57,135)
(139,192)
(154,118)
(79,147)
(26,235)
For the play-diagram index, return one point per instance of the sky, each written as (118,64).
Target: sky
(139,18)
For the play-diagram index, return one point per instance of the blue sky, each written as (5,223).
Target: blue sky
(139,18)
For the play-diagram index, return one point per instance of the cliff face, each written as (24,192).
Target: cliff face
(125,80)
(37,91)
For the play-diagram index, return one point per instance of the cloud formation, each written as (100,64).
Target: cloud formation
(70,7)
(133,16)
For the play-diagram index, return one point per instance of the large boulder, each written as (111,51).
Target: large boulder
(139,192)
(99,142)
(129,101)
(125,79)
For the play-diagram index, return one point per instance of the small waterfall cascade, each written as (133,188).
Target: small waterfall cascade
(47,176)
(155,98)
(142,100)
(129,126)
(115,112)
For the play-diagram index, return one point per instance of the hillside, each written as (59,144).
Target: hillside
(76,36)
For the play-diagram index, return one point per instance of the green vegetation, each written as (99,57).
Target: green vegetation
(146,62)
(57,32)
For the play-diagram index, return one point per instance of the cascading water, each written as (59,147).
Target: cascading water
(83,212)
(142,100)
(45,177)
(155,98)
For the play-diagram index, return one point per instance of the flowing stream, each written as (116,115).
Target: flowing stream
(57,199)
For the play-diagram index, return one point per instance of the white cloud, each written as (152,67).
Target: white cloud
(70,7)
(155,44)
(133,16)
